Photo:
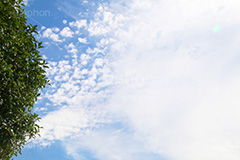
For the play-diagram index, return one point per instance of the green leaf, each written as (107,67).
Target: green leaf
(22,75)
(34,28)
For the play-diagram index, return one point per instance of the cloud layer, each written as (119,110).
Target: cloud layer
(163,81)
(187,109)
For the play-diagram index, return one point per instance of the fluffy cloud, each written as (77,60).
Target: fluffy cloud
(79,23)
(64,21)
(72,49)
(105,22)
(66,32)
(84,59)
(82,40)
(52,34)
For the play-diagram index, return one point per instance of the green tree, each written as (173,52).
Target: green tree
(22,76)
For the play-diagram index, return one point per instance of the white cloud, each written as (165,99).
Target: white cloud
(52,68)
(43,27)
(98,62)
(49,33)
(64,66)
(175,84)
(82,40)
(64,21)
(185,104)
(95,50)
(71,45)
(79,23)
(108,144)
(72,49)
(105,22)
(84,59)
(55,29)
(66,32)
(71,121)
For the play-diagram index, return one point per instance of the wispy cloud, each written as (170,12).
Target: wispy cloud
(167,71)
(187,107)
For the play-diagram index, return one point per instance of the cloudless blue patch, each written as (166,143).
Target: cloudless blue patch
(54,53)
(53,152)
(77,9)
(44,13)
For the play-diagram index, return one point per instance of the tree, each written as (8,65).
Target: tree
(22,76)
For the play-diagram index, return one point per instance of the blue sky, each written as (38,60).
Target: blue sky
(138,79)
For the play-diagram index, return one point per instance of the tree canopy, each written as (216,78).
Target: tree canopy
(22,76)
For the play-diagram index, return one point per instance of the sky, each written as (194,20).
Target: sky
(138,80)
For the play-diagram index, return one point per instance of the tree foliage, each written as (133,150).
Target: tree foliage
(22,76)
